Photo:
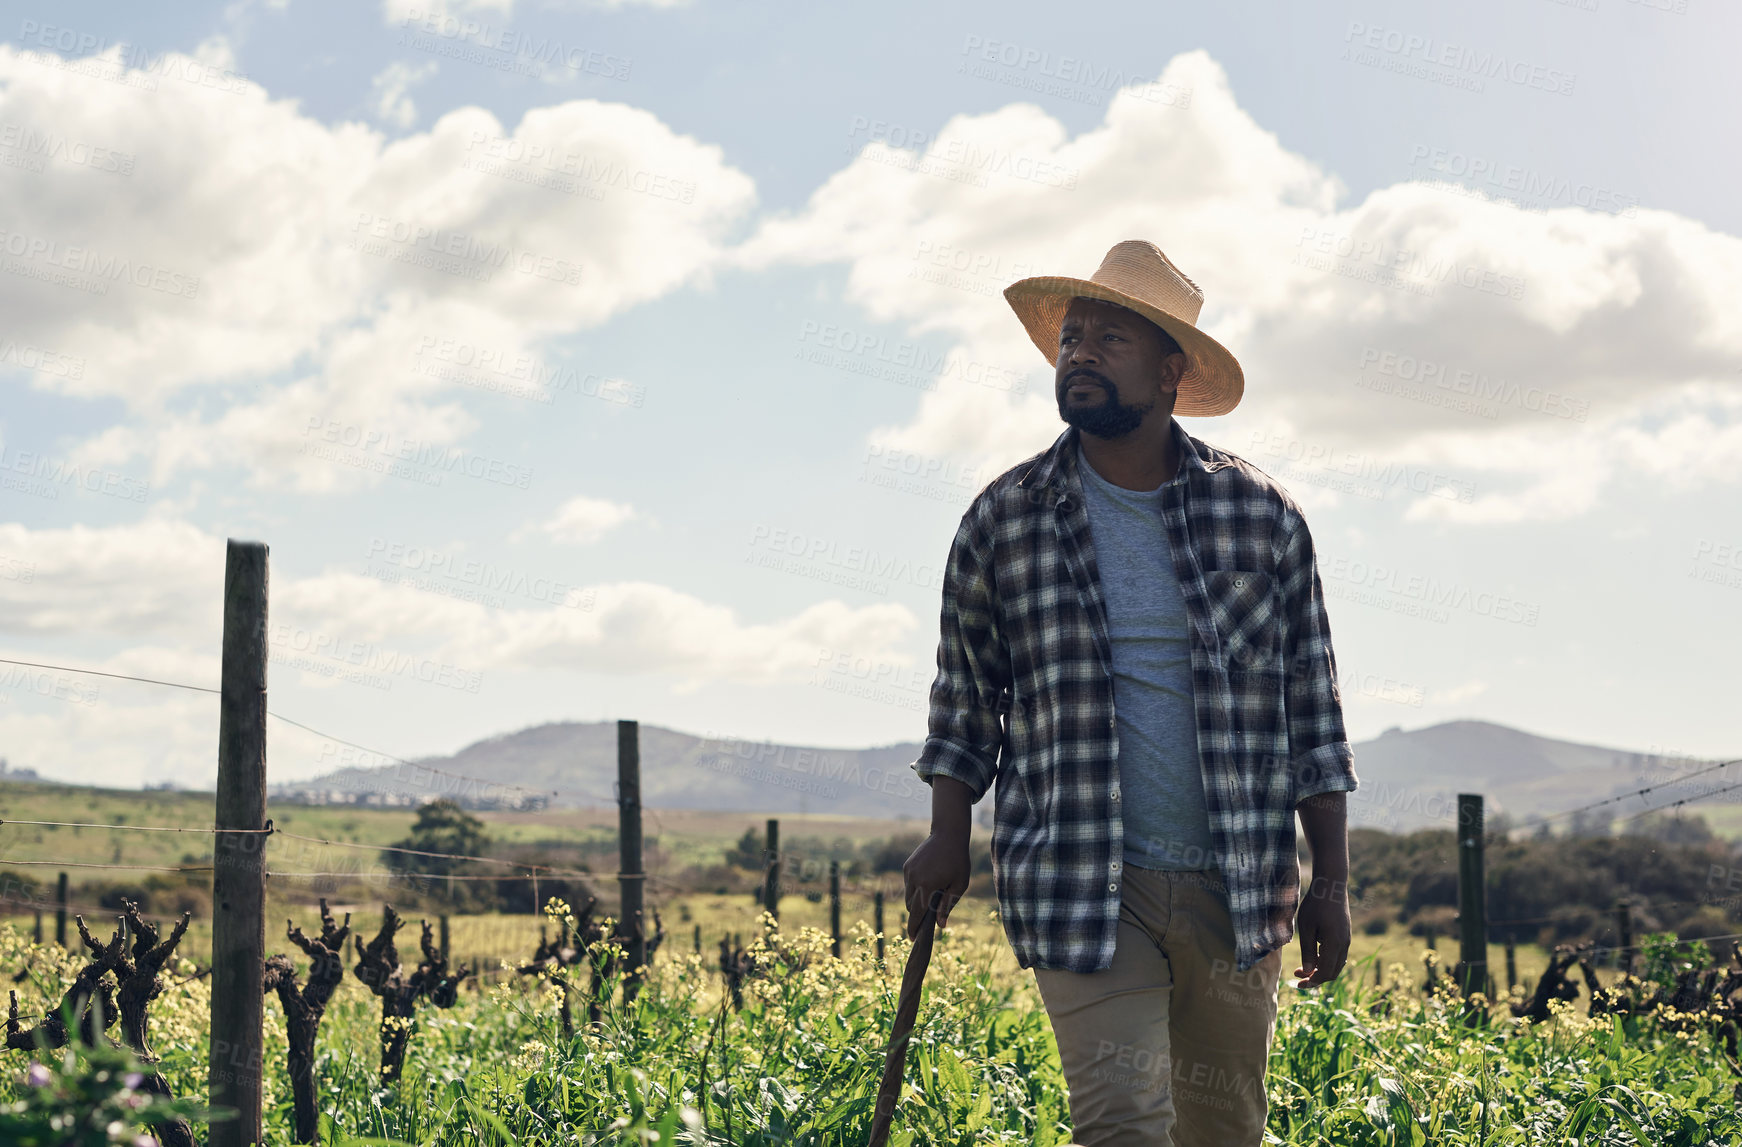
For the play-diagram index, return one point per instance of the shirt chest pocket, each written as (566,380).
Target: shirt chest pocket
(1243,608)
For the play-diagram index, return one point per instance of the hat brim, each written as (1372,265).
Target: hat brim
(1212,383)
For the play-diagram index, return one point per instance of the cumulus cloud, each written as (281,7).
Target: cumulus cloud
(158,579)
(390,91)
(154,590)
(249,243)
(1542,349)
(581,520)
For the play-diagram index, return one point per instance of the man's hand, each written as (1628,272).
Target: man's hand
(938,871)
(1322,923)
(1322,927)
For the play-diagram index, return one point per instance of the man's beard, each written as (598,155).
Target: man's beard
(1108,419)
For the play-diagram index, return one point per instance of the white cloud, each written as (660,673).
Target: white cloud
(156,587)
(324,260)
(1621,318)
(390,92)
(153,579)
(158,579)
(581,520)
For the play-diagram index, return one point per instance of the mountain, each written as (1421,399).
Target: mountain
(1408,779)
(575,763)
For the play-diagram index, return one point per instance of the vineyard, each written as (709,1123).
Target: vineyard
(781,1042)
(447,987)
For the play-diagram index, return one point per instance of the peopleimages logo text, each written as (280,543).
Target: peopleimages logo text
(448,459)
(1479,63)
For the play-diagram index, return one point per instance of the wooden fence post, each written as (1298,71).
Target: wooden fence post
(60,911)
(1623,935)
(36,935)
(771,881)
(443,918)
(835,907)
(239,857)
(877,921)
(1511,965)
(698,939)
(631,880)
(1472,899)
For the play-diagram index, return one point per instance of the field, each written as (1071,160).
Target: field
(1374,1060)
(799,1063)
(583,839)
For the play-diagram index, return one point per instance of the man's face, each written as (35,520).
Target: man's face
(1114,368)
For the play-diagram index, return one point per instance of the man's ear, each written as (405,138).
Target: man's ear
(1172,367)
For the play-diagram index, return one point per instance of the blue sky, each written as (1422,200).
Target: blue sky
(583,361)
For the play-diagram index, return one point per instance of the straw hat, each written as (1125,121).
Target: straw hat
(1135,274)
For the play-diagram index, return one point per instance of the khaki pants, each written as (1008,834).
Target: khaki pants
(1167,1048)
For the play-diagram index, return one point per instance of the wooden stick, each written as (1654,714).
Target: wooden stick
(630,881)
(906,1011)
(238,858)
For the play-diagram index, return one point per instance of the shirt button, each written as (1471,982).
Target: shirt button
(1239,583)
(1115,794)
(1112,888)
(1114,867)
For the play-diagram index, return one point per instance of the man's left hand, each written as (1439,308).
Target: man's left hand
(1322,926)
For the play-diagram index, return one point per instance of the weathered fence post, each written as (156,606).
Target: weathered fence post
(698,939)
(835,907)
(771,881)
(60,910)
(443,918)
(630,879)
(1623,935)
(877,921)
(1511,965)
(238,857)
(1472,901)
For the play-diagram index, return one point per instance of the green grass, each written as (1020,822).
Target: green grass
(1359,1064)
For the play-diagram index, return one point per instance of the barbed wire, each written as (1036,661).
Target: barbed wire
(117,676)
(128,827)
(1536,820)
(1680,803)
(77,908)
(413,764)
(116,867)
(389,874)
(1605,949)
(546,868)
(278,716)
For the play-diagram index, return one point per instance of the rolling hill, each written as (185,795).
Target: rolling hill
(1408,779)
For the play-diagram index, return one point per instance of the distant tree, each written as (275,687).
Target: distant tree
(443,827)
(1671,828)
(750,851)
(890,854)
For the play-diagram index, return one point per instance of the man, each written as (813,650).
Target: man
(1134,645)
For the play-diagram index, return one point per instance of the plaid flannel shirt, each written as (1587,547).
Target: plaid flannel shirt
(1024,696)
